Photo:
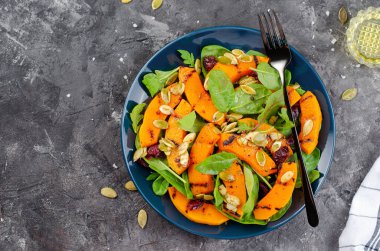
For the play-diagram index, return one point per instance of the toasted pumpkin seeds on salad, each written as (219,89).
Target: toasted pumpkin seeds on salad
(225,152)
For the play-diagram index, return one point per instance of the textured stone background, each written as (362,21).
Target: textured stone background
(65,69)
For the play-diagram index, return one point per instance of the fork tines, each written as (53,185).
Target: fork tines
(273,35)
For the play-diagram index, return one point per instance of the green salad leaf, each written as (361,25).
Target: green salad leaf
(273,103)
(154,82)
(311,162)
(218,198)
(284,124)
(255,53)
(268,76)
(211,50)
(216,163)
(250,104)
(243,127)
(288,77)
(136,116)
(152,176)
(191,123)
(221,90)
(252,186)
(282,211)
(185,177)
(188,57)
(246,165)
(137,141)
(160,186)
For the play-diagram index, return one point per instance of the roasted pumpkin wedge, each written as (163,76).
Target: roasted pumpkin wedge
(202,148)
(174,132)
(264,166)
(234,181)
(148,133)
(311,121)
(196,94)
(293,95)
(196,210)
(279,195)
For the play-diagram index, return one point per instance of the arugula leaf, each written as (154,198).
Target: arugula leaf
(136,116)
(191,123)
(255,53)
(252,186)
(268,76)
(218,198)
(221,90)
(282,211)
(185,177)
(188,58)
(154,82)
(243,127)
(288,77)
(152,176)
(211,50)
(216,163)
(250,104)
(274,102)
(284,124)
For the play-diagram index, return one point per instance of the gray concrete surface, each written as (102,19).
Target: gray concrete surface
(65,69)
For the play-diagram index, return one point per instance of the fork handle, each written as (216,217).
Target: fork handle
(311,209)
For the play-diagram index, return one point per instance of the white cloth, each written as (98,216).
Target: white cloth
(362,231)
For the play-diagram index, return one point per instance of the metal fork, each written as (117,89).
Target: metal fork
(279,53)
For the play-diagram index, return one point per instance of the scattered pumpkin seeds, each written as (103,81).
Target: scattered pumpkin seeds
(208,197)
(245,58)
(232,117)
(231,207)
(165,95)
(205,84)
(164,148)
(343,16)
(307,127)
(126,1)
(232,199)
(139,153)
(142,218)
(222,190)
(165,109)
(229,127)
(108,192)
(224,60)
(349,94)
(156,4)
(275,135)
(217,116)
(242,141)
(226,176)
(237,52)
(167,142)
(172,78)
(260,157)
(199,196)
(178,89)
(184,159)
(183,148)
(287,176)
(160,124)
(275,146)
(247,89)
(130,186)
(189,138)
(247,80)
(231,57)
(197,66)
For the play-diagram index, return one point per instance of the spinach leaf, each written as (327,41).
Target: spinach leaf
(191,123)
(268,76)
(250,104)
(255,53)
(274,102)
(313,175)
(284,124)
(211,50)
(300,90)
(137,141)
(160,186)
(246,165)
(252,186)
(288,77)
(243,127)
(188,58)
(154,82)
(161,168)
(281,212)
(136,116)
(218,198)
(221,90)
(311,162)
(185,177)
(152,176)
(216,163)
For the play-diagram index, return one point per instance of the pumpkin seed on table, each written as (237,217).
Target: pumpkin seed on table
(126,1)
(108,192)
(349,94)
(197,66)
(130,186)
(343,15)
(307,127)
(160,124)
(156,4)
(142,218)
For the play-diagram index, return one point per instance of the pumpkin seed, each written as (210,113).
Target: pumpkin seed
(108,192)
(184,159)
(349,94)
(164,148)
(273,120)
(222,190)
(139,153)
(247,80)
(232,130)
(208,197)
(142,218)
(197,66)
(231,207)
(232,199)
(172,78)
(260,157)
(223,125)
(167,142)
(160,124)
(167,153)
(224,60)
(242,141)
(247,89)
(130,186)
(226,176)
(256,137)
(183,148)
(307,127)
(245,58)
(343,16)
(237,52)
(229,127)
(126,1)
(178,89)
(165,109)
(232,117)
(217,116)
(287,176)
(189,138)
(205,84)
(296,86)
(275,135)
(231,57)
(165,95)
(216,130)
(199,196)
(156,4)
(275,146)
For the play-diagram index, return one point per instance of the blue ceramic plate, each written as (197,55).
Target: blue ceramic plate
(168,58)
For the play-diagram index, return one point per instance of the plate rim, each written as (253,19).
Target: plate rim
(125,111)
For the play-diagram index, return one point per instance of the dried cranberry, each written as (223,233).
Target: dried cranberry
(194,204)
(154,151)
(209,62)
(142,162)
(281,155)
(290,140)
(263,190)
(296,111)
